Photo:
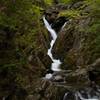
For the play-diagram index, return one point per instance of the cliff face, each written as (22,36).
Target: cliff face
(75,47)
(24,42)
(75,42)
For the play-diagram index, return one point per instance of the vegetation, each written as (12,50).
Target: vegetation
(22,34)
(19,29)
(94,30)
(70,13)
(48,2)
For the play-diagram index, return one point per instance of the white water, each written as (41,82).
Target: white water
(56,63)
(64,98)
(78,96)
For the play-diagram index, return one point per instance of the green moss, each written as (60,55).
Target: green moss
(48,2)
(70,13)
(70,1)
(93,41)
(65,1)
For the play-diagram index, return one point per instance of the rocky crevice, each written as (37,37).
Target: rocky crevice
(24,59)
(69,47)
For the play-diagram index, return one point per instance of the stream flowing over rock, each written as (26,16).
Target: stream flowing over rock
(69,43)
(50,50)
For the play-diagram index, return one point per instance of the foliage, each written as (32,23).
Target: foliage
(12,13)
(69,1)
(70,13)
(64,1)
(48,2)
(19,28)
(93,39)
(20,33)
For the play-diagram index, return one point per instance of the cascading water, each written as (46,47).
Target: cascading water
(78,96)
(56,63)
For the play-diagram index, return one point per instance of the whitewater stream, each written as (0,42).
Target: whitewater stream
(56,67)
(56,63)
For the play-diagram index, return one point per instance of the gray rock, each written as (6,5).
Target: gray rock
(58,78)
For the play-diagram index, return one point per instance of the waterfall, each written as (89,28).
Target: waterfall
(56,63)
(64,98)
(56,67)
(78,96)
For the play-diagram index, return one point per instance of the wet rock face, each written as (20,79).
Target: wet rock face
(58,23)
(67,48)
(64,42)
(78,74)
(70,47)
(48,90)
(70,38)
(55,21)
(51,15)
(56,90)
(28,83)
